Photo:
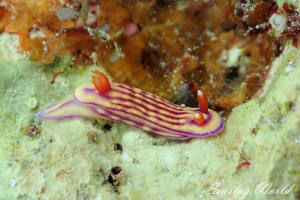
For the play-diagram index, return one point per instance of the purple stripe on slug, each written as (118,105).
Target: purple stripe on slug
(153,111)
(119,116)
(105,116)
(155,98)
(121,111)
(40,114)
(138,124)
(156,104)
(163,129)
(72,116)
(185,133)
(155,117)
(167,129)
(166,121)
(64,117)
(62,105)
(174,108)
(175,113)
(174,136)
(89,89)
(147,95)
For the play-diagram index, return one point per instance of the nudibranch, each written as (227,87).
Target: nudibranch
(125,104)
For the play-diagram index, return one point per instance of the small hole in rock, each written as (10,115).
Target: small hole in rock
(112,181)
(231,74)
(118,147)
(107,127)
(116,170)
(292,106)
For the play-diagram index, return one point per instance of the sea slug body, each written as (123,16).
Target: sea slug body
(125,104)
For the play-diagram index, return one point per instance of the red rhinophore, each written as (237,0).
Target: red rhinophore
(202,101)
(100,81)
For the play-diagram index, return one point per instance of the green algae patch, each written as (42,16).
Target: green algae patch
(74,159)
